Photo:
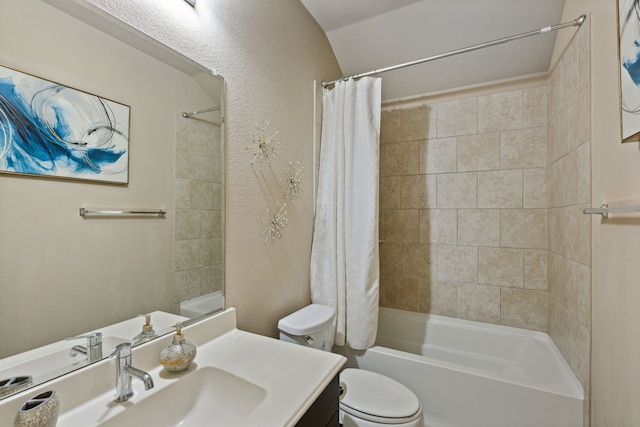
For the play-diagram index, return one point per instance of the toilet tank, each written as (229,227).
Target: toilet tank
(311,326)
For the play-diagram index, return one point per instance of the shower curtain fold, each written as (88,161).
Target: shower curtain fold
(344,256)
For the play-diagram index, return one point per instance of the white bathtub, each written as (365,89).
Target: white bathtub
(203,304)
(471,374)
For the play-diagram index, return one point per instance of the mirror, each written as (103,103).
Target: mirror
(63,275)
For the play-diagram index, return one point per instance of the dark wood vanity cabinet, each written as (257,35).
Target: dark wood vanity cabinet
(324,411)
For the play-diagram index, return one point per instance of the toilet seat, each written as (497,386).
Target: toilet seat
(377,398)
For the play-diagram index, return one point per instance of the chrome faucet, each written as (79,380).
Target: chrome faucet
(125,372)
(93,350)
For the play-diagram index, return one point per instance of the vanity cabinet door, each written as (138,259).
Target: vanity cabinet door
(324,411)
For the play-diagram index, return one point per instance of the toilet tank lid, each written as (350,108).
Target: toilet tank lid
(307,320)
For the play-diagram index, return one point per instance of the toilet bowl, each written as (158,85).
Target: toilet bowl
(367,399)
(370,399)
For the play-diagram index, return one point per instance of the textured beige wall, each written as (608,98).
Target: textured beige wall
(463,206)
(269,52)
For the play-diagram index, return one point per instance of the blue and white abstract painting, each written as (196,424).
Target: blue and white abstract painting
(52,130)
(629,27)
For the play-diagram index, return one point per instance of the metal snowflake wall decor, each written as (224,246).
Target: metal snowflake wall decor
(293,181)
(276,223)
(265,145)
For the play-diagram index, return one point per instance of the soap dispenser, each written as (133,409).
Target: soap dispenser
(178,355)
(147,331)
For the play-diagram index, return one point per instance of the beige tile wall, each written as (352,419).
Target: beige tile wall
(481,204)
(463,208)
(199,198)
(569,158)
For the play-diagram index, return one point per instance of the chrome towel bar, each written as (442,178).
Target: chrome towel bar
(605,210)
(133,212)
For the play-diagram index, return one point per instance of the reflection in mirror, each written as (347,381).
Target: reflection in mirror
(199,220)
(64,276)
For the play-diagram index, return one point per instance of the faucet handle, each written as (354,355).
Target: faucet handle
(122,350)
(93,339)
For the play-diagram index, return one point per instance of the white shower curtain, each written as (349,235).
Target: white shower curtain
(345,266)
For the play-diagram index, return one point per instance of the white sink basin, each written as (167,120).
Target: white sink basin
(194,399)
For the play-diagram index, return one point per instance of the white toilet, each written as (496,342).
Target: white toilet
(368,399)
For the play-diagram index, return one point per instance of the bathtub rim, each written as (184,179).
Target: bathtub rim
(570,386)
(192,306)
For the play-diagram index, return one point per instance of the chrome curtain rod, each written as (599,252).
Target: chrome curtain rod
(575,23)
(195,113)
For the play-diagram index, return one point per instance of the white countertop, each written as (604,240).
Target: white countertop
(293,376)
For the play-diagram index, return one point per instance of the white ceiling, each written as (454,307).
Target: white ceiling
(371,34)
